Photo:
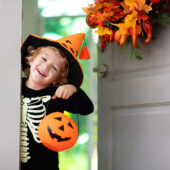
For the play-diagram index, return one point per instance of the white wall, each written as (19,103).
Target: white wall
(10,36)
(32,22)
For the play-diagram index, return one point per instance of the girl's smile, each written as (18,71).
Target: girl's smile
(41,72)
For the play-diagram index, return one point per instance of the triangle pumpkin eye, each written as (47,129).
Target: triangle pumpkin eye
(61,127)
(69,124)
(58,118)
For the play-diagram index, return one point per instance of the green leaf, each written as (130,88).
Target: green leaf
(162,19)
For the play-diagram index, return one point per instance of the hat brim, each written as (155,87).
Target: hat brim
(75,75)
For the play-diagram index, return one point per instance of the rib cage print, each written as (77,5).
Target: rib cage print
(33,110)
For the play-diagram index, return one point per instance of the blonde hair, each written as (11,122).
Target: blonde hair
(65,65)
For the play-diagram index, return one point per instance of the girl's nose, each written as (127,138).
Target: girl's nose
(46,67)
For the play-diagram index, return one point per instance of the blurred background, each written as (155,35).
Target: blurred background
(55,19)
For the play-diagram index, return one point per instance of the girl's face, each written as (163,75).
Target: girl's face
(45,69)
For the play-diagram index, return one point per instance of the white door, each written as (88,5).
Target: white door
(10,66)
(134,108)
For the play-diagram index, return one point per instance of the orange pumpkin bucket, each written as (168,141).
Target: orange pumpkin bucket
(58,132)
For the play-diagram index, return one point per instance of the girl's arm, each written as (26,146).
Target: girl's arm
(76,101)
(80,103)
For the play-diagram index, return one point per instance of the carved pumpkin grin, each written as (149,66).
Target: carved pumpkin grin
(59,138)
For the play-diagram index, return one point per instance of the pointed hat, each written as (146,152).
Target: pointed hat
(69,45)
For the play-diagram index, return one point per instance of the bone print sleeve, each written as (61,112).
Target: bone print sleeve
(80,103)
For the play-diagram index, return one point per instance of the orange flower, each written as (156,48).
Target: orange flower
(130,16)
(103,30)
(137,5)
(135,12)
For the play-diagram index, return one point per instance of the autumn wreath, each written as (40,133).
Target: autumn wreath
(124,21)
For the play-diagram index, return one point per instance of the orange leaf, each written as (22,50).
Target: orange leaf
(87,11)
(103,30)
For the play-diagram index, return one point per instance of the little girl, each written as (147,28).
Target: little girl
(53,84)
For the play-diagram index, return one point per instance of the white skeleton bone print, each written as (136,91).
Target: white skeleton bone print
(33,110)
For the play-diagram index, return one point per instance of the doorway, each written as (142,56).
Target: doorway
(52,19)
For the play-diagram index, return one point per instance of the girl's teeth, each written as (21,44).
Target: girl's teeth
(41,73)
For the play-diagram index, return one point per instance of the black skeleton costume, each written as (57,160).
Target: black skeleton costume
(36,104)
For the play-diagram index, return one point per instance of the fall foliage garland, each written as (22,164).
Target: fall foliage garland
(117,21)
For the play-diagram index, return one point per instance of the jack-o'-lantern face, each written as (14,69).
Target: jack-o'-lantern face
(58,132)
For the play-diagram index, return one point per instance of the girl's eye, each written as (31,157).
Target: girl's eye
(54,68)
(44,59)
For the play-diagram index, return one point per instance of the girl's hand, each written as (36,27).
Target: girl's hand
(65,91)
